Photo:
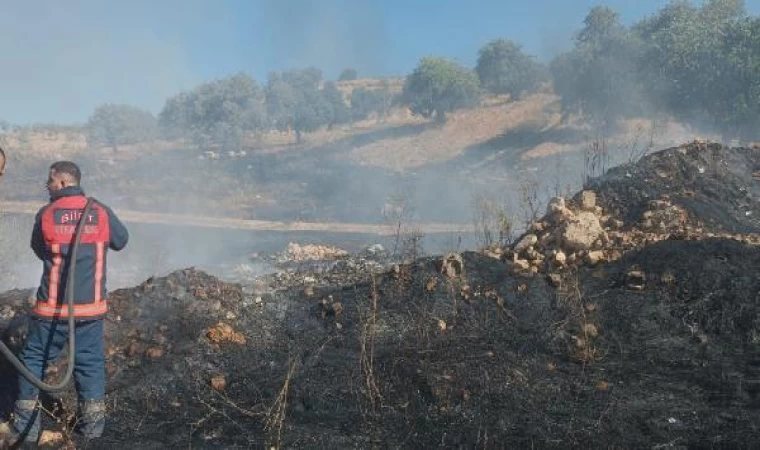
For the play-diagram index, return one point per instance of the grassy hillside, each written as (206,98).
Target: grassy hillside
(400,141)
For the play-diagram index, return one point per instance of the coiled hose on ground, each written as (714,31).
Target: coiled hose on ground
(69,296)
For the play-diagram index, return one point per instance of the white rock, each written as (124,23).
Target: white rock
(588,200)
(580,231)
(560,259)
(595,256)
(529,240)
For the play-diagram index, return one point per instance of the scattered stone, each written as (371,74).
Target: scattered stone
(453,265)
(636,280)
(533,255)
(493,252)
(594,257)
(559,259)
(133,349)
(588,200)
(222,332)
(590,330)
(218,382)
(154,352)
(528,241)
(7,312)
(520,264)
(310,252)
(554,279)
(466,292)
(51,439)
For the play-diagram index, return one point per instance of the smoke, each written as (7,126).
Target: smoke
(330,35)
(61,60)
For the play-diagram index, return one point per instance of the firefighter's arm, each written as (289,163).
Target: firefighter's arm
(38,242)
(119,233)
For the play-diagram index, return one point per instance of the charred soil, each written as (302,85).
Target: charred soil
(655,348)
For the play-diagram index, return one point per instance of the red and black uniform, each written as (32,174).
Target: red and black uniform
(52,239)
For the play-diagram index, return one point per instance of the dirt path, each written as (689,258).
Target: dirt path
(15,207)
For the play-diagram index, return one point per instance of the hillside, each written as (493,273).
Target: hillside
(643,334)
(349,173)
(399,141)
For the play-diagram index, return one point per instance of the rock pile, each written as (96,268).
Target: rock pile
(571,235)
(309,252)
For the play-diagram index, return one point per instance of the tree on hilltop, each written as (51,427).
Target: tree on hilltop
(438,86)
(220,111)
(503,68)
(115,124)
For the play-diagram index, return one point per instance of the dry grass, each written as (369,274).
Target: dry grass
(461,130)
(367,357)
(570,296)
(666,133)
(495,117)
(277,412)
(51,144)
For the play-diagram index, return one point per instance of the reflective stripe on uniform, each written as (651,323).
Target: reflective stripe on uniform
(81,310)
(55,274)
(99,256)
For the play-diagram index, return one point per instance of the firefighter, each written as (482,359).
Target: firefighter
(53,232)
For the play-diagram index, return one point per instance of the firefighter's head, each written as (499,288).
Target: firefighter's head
(63,174)
(2,163)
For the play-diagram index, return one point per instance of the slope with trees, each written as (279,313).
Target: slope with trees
(503,68)
(220,111)
(116,125)
(438,86)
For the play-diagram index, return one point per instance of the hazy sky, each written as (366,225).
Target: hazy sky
(61,59)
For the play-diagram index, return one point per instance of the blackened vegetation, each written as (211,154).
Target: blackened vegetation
(418,356)
(716,184)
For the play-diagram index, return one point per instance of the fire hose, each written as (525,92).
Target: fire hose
(69,297)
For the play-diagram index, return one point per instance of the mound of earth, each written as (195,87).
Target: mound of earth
(691,192)
(715,184)
(654,348)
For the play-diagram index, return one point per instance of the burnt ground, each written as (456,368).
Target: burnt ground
(713,183)
(410,357)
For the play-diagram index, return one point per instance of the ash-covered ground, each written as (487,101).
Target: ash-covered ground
(627,316)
